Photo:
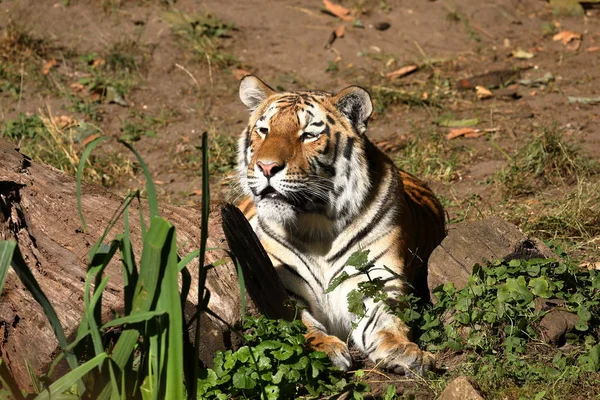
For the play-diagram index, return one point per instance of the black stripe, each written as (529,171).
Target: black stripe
(285,244)
(246,146)
(372,329)
(293,271)
(336,148)
(369,322)
(348,149)
(317,124)
(330,119)
(383,211)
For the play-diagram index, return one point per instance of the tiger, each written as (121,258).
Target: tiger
(318,190)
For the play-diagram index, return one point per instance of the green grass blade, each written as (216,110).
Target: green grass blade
(150,274)
(130,273)
(170,302)
(150,188)
(7,249)
(133,319)
(81,334)
(8,382)
(192,379)
(92,310)
(29,281)
(79,175)
(66,382)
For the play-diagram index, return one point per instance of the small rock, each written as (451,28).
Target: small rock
(382,26)
(483,93)
(556,324)
(460,389)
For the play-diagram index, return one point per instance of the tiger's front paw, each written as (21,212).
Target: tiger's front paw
(407,359)
(336,350)
(396,353)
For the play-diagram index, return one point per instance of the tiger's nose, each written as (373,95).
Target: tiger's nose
(269,169)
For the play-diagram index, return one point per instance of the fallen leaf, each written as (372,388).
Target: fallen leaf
(339,32)
(196,192)
(454,133)
(590,265)
(483,93)
(62,121)
(452,123)
(570,39)
(48,66)
(592,49)
(113,96)
(98,62)
(402,71)
(89,139)
(341,12)
(77,87)
(158,182)
(522,54)
(474,135)
(239,73)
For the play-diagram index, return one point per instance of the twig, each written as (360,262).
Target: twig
(181,67)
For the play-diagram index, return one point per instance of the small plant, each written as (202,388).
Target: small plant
(202,33)
(545,159)
(275,362)
(428,156)
(58,141)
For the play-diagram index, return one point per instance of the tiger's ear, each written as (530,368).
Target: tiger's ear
(355,103)
(253,92)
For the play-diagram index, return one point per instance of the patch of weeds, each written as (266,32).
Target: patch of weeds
(571,218)
(222,148)
(332,66)
(429,156)
(545,159)
(275,362)
(59,142)
(21,58)
(203,34)
(492,325)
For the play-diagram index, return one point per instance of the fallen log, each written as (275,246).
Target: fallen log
(38,210)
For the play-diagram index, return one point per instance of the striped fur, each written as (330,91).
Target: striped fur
(319,190)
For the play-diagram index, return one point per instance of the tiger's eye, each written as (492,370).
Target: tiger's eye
(263,131)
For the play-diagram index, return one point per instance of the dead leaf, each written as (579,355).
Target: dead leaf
(48,66)
(89,139)
(590,265)
(340,30)
(158,182)
(77,87)
(592,49)
(341,12)
(454,133)
(239,73)
(566,37)
(522,54)
(402,71)
(483,93)
(474,135)
(98,62)
(62,121)
(196,192)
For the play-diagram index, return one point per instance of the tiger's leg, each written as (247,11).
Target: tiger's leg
(385,339)
(318,339)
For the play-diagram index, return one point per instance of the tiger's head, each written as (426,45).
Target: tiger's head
(302,156)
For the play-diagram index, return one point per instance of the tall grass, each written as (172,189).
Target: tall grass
(147,358)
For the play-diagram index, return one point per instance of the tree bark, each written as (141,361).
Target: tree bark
(38,208)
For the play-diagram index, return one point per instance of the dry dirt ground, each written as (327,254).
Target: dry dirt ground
(159,73)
